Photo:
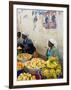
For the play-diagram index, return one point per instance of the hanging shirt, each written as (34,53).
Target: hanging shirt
(53,18)
(46,19)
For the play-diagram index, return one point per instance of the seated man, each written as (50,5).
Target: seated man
(28,46)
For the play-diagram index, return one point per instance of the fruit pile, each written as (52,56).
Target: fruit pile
(52,62)
(53,69)
(24,56)
(50,69)
(20,65)
(35,63)
(26,76)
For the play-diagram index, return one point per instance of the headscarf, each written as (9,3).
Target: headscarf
(53,42)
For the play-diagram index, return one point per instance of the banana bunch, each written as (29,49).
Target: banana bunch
(58,70)
(45,72)
(26,76)
(51,73)
(52,62)
(53,68)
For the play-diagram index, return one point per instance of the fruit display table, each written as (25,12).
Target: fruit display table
(38,68)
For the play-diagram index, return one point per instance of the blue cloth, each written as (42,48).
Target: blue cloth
(28,46)
(48,53)
(54,52)
(26,42)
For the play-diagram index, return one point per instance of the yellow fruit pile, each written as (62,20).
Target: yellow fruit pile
(49,69)
(45,72)
(24,56)
(58,70)
(52,62)
(28,64)
(36,63)
(26,76)
(53,68)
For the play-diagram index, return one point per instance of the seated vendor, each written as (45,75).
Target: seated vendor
(52,50)
(28,46)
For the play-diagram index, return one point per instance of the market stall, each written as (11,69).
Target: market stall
(30,68)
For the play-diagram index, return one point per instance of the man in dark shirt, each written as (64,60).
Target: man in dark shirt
(28,46)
